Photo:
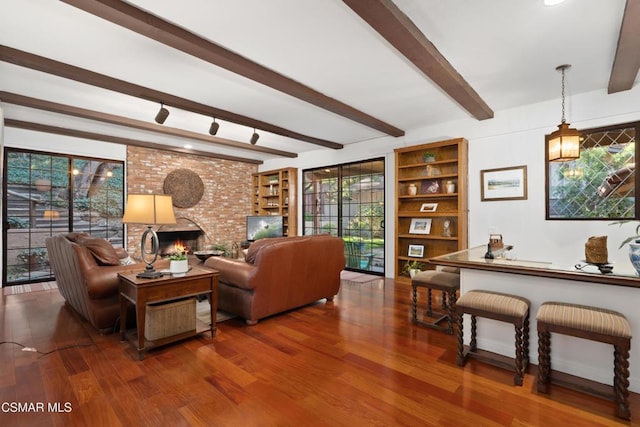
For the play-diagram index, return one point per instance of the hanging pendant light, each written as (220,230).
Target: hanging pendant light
(564,144)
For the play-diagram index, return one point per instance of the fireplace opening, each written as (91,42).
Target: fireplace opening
(185,233)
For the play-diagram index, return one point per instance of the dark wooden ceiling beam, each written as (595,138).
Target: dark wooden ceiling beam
(396,27)
(40,104)
(39,127)
(144,23)
(61,69)
(627,60)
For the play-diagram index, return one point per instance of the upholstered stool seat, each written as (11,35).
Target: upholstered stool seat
(497,306)
(443,279)
(590,323)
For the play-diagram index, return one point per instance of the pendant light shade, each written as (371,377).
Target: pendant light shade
(564,143)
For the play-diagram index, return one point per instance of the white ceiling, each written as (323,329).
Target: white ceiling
(507,50)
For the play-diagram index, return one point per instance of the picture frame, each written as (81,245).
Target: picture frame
(420,226)
(430,186)
(416,251)
(508,183)
(428,207)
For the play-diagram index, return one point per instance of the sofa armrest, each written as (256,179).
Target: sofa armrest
(235,272)
(103,281)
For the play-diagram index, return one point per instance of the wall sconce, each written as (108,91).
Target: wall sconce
(564,143)
(213,129)
(162,114)
(254,137)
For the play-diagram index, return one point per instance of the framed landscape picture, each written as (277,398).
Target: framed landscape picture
(416,251)
(428,207)
(504,184)
(420,226)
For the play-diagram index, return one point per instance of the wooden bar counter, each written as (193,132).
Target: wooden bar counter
(541,281)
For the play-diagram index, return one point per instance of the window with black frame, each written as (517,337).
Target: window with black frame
(48,194)
(601,184)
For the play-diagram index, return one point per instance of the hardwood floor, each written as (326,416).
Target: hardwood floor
(356,362)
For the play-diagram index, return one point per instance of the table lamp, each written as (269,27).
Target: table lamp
(149,210)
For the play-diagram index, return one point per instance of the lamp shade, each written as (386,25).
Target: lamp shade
(149,209)
(564,144)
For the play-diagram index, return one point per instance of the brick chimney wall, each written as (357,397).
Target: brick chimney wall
(224,205)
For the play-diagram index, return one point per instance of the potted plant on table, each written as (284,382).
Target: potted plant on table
(178,263)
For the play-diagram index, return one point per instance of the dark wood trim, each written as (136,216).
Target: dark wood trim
(61,69)
(396,27)
(41,104)
(144,23)
(627,60)
(118,140)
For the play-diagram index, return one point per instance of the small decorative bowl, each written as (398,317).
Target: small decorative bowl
(203,255)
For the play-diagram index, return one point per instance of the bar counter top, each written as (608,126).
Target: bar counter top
(473,258)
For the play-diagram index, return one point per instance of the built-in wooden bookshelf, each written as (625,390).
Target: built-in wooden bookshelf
(274,193)
(431,192)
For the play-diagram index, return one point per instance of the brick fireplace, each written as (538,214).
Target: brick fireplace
(220,214)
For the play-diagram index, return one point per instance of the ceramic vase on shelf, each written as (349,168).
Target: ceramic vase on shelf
(634,256)
(412,190)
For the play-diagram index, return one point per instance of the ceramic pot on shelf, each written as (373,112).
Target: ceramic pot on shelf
(412,190)
(634,256)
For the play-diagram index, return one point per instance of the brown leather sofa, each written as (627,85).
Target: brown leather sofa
(86,273)
(279,274)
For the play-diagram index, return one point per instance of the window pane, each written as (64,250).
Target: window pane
(601,183)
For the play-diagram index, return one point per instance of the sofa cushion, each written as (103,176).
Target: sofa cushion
(102,251)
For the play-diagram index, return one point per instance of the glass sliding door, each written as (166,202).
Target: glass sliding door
(348,201)
(47,194)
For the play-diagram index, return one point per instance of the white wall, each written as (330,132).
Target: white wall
(513,137)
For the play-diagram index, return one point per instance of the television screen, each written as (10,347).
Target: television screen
(259,227)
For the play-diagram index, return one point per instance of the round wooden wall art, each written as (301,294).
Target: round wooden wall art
(185,187)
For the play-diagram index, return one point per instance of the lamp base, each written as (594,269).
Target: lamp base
(149,274)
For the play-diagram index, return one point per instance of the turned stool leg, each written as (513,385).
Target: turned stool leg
(414,303)
(544,359)
(460,348)
(429,311)
(525,341)
(473,345)
(450,311)
(621,380)
(517,378)
(444,300)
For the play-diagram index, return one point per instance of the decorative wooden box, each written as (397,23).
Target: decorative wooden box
(170,318)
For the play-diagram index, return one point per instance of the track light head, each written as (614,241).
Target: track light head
(254,137)
(213,129)
(162,114)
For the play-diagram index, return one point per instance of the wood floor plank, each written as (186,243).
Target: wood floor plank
(356,361)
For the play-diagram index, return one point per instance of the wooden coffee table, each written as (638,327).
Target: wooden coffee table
(140,292)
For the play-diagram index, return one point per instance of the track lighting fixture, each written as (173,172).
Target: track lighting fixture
(213,129)
(254,137)
(162,114)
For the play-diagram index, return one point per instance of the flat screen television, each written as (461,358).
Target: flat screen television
(259,227)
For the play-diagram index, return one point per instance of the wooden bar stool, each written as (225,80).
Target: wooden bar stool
(445,279)
(590,323)
(505,308)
